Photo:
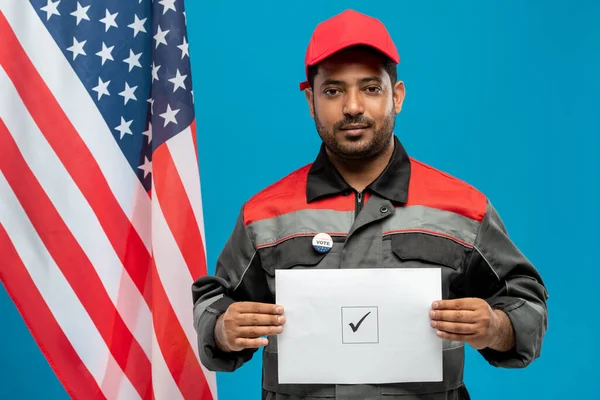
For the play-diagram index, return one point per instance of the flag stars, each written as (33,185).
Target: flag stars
(51,8)
(102,88)
(124,127)
(77,48)
(151,101)
(109,20)
(127,94)
(167,5)
(137,25)
(81,13)
(105,53)
(178,81)
(133,60)
(169,115)
(160,36)
(146,166)
(184,47)
(155,69)
(148,132)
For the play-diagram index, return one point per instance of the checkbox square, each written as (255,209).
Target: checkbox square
(360,324)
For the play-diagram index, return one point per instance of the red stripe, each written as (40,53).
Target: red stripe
(175,347)
(75,156)
(434,233)
(74,264)
(66,364)
(177,209)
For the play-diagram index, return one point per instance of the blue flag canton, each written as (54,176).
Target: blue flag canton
(133,58)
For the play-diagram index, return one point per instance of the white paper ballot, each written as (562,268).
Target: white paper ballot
(358,326)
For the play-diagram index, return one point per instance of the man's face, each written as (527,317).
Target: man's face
(354,104)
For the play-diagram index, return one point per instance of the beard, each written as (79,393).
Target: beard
(362,148)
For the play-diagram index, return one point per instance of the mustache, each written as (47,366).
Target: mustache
(353,120)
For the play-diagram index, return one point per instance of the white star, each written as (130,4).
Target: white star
(133,60)
(77,48)
(148,133)
(102,88)
(193,98)
(185,17)
(137,25)
(51,9)
(169,116)
(146,166)
(185,48)
(81,13)
(109,20)
(178,81)
(124,127)
(151,101)
(160,36)
(167,5)
(127,93)
(105,53)
(155,69)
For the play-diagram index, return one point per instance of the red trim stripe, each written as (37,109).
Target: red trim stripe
(295,235)
(175,347)
(55,346)
(75,156)
(434,233)
(75,266)
(177,209)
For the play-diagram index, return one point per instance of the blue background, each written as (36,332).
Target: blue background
(502,94)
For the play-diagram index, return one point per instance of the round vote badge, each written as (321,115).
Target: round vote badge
(322,242)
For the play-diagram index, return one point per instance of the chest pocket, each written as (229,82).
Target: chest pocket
(298,253)
(422,250)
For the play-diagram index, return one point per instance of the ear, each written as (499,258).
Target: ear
(311,105)
(399,94)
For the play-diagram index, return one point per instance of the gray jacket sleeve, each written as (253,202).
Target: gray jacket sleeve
(501,274)
(238,277)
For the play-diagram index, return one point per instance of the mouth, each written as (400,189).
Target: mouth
(356,129)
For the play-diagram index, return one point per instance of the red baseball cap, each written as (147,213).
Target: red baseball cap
(347,29)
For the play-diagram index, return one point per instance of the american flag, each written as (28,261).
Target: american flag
(101,227)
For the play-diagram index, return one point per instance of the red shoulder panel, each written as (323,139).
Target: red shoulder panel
(433,188)
(288,195)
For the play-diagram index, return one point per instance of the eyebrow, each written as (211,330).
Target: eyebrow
(340,83)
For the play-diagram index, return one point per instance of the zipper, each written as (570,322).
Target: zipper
(359,203)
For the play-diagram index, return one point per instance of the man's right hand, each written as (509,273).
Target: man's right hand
(243,324)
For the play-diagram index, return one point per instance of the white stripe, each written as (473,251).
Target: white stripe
(80,108)
(75,212)
(60,298)
(163,384)
(184,156)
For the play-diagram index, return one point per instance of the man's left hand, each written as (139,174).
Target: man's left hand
(473,321)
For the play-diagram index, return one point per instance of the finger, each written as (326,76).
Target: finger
(456,304)
(466,316)
(258,308)
(260,319)
(257,331)
(452,327)
(244,343)
(453,336)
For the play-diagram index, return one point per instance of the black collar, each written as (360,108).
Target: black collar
(325,180)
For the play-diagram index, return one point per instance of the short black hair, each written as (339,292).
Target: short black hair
(388,64)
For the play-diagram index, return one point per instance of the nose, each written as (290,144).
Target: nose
(353,103)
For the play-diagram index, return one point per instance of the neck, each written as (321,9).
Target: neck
(360,173)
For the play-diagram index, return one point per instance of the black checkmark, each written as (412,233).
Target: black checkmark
(355,328)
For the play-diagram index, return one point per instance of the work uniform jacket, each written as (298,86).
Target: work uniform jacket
(411,216)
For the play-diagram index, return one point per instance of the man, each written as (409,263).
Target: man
(383,210)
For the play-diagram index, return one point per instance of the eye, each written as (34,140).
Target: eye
(331,92)
(373,89)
